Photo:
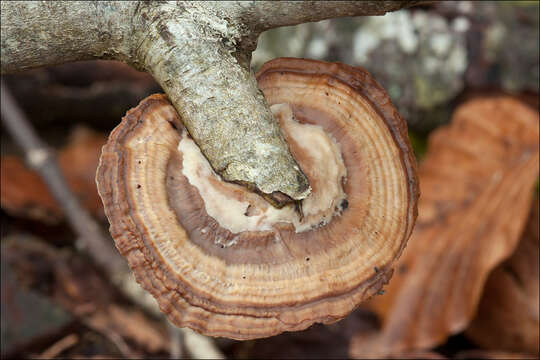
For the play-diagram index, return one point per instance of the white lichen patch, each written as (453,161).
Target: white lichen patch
(396,25)
(239,210)
(440,43)
(317,48)
(461,24)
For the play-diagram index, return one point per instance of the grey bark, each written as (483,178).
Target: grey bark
(199,52)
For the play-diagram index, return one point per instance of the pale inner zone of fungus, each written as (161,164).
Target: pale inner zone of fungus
(239,210)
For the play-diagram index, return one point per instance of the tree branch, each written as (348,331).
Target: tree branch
(263,15)
(199,52)
(42,33)
(218,98)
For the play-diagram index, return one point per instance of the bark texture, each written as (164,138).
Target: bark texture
(199,52)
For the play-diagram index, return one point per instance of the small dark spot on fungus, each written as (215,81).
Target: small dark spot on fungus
(380,292)
(376,269)
(140,162)
(344,204)
(307,259)
(138,186)
(173,126)
(243,276)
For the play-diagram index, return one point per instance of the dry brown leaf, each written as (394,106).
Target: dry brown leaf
(24,194)
(79,161)
(507,317)
(476,184)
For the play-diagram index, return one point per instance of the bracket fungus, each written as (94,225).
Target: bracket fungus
(223,261)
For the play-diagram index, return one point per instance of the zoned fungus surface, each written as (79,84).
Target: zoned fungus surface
(223,261)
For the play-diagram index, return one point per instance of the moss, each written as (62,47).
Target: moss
(418,143)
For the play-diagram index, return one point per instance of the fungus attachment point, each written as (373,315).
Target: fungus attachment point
(223,261)
(238,210)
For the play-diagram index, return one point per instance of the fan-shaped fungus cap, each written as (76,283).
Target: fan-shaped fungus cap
(220,259)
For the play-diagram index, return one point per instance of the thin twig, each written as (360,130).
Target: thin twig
(90,237)
(42,159)
(58,347)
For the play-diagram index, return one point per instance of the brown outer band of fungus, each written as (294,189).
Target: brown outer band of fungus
(254,288)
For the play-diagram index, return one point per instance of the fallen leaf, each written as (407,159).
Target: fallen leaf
(24,194)
(507,317)
(79,161)
(476,187)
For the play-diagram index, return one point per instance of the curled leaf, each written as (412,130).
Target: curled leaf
(507,317)
(476,184)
